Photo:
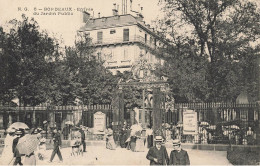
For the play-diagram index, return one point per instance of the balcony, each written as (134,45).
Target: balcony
(120,40)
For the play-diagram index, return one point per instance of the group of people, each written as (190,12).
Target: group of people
(11,154)
(158,154)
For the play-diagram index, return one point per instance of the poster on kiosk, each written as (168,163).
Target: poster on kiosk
(190,123)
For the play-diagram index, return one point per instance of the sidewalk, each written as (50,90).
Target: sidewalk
(102,156)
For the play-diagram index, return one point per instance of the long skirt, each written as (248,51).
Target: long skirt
(150,141)
(123,140)
(139,145)
(30,160)
(133,143)
(110,144)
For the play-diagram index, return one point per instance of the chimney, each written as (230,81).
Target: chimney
(115,11)
(86,16)
(98,14)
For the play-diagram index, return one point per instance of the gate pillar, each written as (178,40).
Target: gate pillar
(157,111)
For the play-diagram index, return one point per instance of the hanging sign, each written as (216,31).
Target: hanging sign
(190,123)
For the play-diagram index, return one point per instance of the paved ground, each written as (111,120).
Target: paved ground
(102,156)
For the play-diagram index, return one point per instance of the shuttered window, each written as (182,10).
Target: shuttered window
(100,37)
(126,35)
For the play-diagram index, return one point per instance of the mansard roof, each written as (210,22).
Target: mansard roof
(115,21)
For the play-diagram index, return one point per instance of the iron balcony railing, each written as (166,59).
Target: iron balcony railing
(116,40)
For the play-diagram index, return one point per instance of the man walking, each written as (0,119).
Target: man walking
(178,156)
(57,145)
(158,154)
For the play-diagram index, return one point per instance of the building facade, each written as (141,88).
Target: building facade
(122,40)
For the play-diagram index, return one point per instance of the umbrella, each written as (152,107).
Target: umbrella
(19,125)
(136,127)
(212,127)
(234,127)
(69,123)
(27,144)
(204,123)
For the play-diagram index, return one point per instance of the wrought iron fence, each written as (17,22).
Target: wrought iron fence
(226,123)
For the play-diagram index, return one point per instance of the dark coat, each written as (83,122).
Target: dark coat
(15,150)
(57,139)
(179,158)
(82,135)
(161,155)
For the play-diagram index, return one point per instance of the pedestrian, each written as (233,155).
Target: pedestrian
(110,143)
(18,160)
(83,137)
(178,156)
(7,154)
(57,145)
(29,159)
(158,154)
(123,136)
(41,151)
(149,137)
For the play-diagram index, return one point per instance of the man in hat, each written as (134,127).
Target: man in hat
(158,154)
(178,156)
(57,145)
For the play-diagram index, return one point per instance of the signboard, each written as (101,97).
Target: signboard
(99,122)
(190,123)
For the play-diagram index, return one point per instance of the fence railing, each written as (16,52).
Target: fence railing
(217,122)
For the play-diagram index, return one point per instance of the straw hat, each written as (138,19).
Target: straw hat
(158,138)
(176,142)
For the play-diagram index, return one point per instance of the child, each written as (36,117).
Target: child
(75,146)
(42,149)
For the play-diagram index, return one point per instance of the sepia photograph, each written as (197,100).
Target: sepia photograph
(129,82)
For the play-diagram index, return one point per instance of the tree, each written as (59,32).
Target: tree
(222,32)
(27,51)
(82,76)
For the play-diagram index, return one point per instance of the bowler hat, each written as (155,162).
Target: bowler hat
(158,138)
(176,142)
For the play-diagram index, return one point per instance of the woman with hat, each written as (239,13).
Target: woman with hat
(158,154)
(178,156)
(7,154)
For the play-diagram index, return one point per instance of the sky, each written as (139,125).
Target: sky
(66,26)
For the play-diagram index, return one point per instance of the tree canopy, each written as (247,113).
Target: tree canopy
(37,70)
(213,57)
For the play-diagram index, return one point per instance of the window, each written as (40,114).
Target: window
(99,55)
(145,38)
(151,40)
(100,37)
(112,31)
(125,54)
(154,42)
(126,35)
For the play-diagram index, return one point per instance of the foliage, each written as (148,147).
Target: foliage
(36,70)
(222,31)
(25,51)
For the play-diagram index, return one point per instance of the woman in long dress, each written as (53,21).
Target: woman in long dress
(110,143)
(139,142)
(7,154)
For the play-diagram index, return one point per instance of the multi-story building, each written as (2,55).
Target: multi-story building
(121,40)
